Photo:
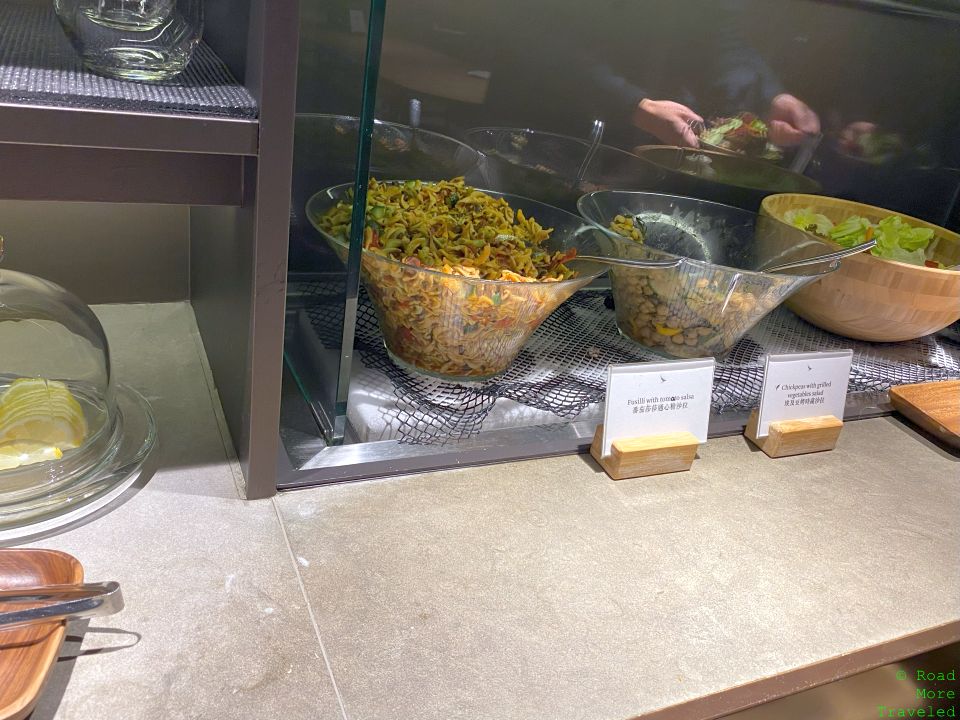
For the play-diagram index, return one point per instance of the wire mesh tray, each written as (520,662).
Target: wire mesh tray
(561,373)
(38,66)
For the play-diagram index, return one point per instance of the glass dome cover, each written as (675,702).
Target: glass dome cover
(69,437)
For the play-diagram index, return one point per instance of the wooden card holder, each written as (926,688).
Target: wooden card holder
(796,437)
(645,456)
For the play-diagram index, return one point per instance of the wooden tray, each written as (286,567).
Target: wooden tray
(27,654)
(934,406)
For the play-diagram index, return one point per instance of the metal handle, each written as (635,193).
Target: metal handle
(596,134)
(846,252)
(630,262)
(53,603)
(415,109)
(805,153)
(612,260)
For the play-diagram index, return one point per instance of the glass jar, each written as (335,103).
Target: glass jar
(133,39)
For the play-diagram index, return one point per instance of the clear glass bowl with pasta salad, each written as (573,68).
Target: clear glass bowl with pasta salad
(708,302)
(460,278)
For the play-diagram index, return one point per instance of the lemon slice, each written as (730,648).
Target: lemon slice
(13,455)
(42,414)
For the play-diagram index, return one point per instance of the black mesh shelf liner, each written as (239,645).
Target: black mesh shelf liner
(562,370)
(39,66)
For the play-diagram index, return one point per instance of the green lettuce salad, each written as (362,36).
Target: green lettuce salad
(896,240)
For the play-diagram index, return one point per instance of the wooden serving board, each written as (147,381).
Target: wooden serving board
(933,406)
(28,654)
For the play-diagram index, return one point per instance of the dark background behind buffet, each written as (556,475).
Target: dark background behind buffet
(556,66)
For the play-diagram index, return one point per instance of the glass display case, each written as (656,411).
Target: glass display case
(452,161)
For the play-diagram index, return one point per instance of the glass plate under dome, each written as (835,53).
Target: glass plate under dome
(71,440)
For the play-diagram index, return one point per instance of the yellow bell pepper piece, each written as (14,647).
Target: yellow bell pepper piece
(668,331)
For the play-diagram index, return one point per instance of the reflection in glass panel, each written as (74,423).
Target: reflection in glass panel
(877,84)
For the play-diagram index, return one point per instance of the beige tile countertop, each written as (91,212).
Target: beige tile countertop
(538,589)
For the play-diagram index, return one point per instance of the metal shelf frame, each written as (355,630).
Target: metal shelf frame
(83,155)
(238,263)
(121,130)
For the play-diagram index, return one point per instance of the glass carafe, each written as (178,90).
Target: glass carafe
(133,39)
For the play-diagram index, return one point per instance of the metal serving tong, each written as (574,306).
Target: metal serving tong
(672,262)
(596,135)
(827,257)
(629,262)
(53,603)
(804,153)
(817,259)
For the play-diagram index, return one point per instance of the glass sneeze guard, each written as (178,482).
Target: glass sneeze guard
(839,99)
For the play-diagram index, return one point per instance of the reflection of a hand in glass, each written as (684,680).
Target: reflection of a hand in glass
(668,121)
(791,120)
(638,66)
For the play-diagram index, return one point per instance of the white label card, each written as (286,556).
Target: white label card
(654,398)
(802,385)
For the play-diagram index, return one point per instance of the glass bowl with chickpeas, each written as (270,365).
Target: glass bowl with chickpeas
(707,303)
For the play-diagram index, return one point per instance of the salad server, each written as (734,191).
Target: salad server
(53,603)
(839,254)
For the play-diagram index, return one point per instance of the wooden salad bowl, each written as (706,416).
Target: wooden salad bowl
(27,654)
(870,298)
